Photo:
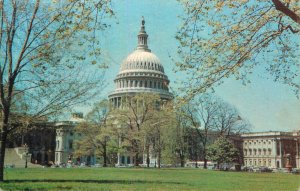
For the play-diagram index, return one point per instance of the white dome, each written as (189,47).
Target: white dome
(141,72)
(141,60)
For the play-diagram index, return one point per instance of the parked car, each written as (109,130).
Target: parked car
(296,171)
(265,169)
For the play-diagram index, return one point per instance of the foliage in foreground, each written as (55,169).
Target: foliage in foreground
(220,39)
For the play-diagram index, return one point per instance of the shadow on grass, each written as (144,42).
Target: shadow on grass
(94,181)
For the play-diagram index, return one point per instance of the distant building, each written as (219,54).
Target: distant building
(65,142)
(140,72)
(270,149)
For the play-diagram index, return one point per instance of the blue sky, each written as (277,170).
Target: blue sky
(267,105)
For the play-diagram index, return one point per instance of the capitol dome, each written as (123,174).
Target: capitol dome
(141,72)
(142,60)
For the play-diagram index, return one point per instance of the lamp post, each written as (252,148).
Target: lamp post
(26,154)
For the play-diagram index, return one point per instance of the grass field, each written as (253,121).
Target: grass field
(144,179)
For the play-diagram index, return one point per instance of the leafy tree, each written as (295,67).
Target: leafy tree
(162,131)
(42,53)
(222,151)
(97,136)
(177,135)
(220,39)
(134,117)
(211,117)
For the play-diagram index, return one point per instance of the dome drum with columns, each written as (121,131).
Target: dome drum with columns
(141,72)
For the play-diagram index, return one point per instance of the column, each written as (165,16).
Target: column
(297,154)
(274,153)
(280,154)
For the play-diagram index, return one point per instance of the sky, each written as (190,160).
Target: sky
(267,105)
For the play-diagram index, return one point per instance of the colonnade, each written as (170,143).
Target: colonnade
(156,84)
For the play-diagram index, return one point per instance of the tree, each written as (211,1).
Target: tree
(222,151)
(228,120)
(202,112)
(177,138)
(212,117)
(134,117)
(220,39)
(162,130)
(42,50)
(97,136)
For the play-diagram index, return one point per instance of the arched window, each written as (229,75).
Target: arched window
(150,84)
(146,84)
(154,84)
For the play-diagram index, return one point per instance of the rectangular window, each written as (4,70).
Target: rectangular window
(70,144)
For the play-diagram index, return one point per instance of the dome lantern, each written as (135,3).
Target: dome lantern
(142,38)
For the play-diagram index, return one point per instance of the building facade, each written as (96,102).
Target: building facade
(271,149)
(140,72)
(65,142)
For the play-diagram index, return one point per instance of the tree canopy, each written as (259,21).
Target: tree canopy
(43,48)
(221,39)
(222,151)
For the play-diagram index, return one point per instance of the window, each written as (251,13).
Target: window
(70,144)
(265,152)
(269,151)
(254,151)
(245,152)
(146,84)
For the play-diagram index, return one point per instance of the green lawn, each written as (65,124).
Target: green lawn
(144,179)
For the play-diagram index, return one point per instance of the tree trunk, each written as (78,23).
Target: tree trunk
(159,157)
(205,162)
(136,159)
(148,157)
(182,162)
(104,156)
(3,137)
